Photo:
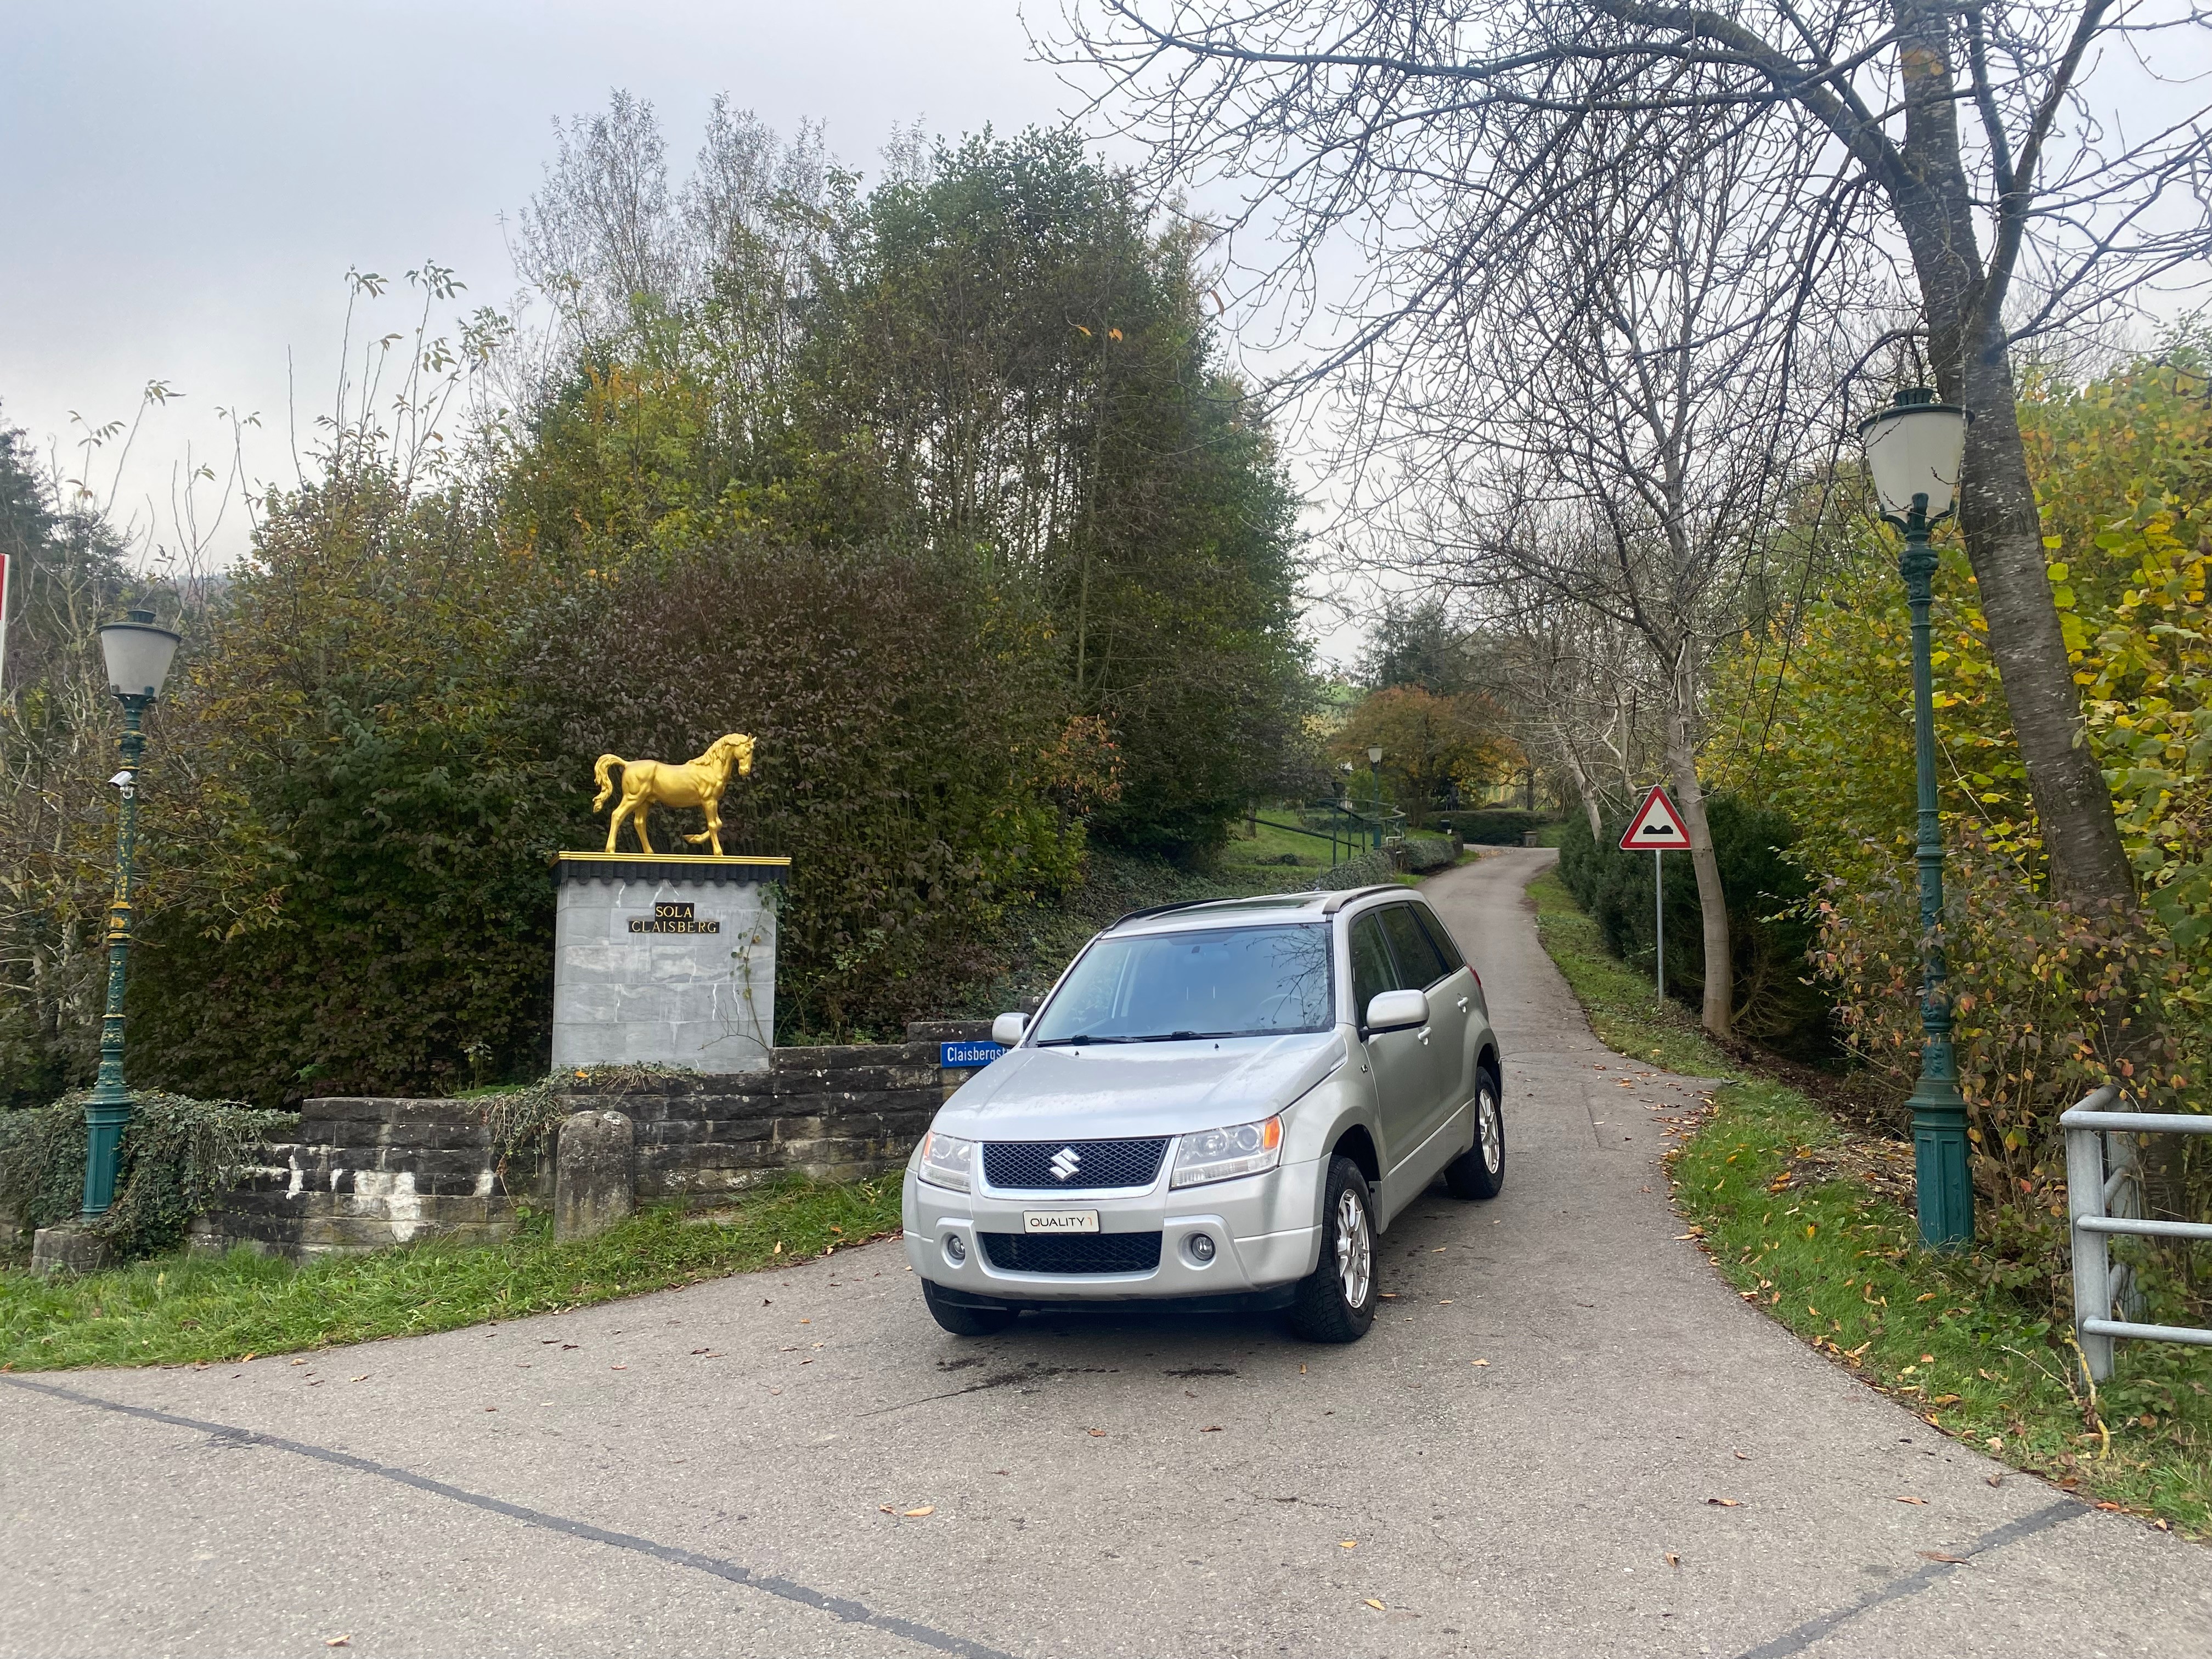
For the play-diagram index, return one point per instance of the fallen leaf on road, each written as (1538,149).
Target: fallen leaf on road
(345,1641)
(299,1362)
(1482,1362)
(2110,1506)
(1347,1544)
(1096,1434)
(1727,1503)
(888,1508)
(1743,1457)
(491,1408)
(1211,1428)
(1302,1371)
(1938,1555)
(912,1515)
(1673,1559)
(1995,1480)
(617,1367)
(1372,1602)
(1912,1500)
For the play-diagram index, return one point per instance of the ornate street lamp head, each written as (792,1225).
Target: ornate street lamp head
(1374,758)
(138,654)
(1916,447)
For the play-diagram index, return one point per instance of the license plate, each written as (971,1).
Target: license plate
(1059,1221)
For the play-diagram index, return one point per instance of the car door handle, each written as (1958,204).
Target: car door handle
(1464,1001)
(1424,1032)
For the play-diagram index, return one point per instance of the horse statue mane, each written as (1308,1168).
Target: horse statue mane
(699,782)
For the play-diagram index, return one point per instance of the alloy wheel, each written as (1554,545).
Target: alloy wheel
(1493,1131)
(1355,1249)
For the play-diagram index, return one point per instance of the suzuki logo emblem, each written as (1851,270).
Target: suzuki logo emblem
(1064,1163)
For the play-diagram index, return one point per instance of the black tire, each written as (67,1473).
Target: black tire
(1480,1171)
(962,1320)
(1336,1301)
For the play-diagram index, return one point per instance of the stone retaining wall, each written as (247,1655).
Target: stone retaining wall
(367,1173)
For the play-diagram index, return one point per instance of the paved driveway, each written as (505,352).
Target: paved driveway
(726,1469)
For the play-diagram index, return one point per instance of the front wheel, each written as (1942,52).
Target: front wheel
(1480,1171)
(962,1320)
(1336,1301)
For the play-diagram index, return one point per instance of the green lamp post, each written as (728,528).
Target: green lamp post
(138,656)
(1914,450)
(1374,782)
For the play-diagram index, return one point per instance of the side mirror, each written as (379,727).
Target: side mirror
(1393,1011)
(1008,1029)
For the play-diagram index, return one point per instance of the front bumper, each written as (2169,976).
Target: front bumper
(1263,1228)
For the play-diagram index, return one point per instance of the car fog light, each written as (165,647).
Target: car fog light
(1201,1248)
(955,1249)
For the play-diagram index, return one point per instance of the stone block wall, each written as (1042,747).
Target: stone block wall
(367,1174)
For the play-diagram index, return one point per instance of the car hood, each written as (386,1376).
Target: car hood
(1101,1091)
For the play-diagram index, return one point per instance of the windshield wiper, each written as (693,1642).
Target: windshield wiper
(1061,1042)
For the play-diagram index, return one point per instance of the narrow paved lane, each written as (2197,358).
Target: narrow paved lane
(726,1469)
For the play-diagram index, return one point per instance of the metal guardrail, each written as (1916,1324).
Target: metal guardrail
(2103,1186)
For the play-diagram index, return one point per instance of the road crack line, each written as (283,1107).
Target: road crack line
(851,1613)
(1795,1641)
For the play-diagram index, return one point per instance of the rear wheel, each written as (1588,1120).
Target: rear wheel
(1480,1171)
(1336,1301)
(962,1320)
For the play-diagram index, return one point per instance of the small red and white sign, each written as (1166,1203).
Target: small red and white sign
(1657,827)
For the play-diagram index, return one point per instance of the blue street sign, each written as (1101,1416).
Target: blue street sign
(961,1056)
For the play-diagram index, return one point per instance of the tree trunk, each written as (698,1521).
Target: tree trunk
(1998,513)
(1585,790)
(1718,1012)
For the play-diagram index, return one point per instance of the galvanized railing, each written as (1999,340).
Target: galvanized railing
(2103,1185)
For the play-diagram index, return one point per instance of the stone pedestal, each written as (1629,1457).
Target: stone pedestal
(667,961)
(68,1248)
(594,1188)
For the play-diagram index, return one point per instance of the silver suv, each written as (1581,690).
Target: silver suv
(1221,1102)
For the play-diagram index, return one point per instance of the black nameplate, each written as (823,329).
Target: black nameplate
(675,917)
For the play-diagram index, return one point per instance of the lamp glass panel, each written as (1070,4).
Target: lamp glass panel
(1916,452)
(138,658)
(1375,756)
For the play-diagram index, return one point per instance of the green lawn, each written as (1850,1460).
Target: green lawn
(1842,1269)
(177,1310)
(1241,857)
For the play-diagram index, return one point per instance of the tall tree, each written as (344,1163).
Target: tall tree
(1997,158)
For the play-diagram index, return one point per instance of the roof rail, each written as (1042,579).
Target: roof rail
(1338,901)
(1158,910)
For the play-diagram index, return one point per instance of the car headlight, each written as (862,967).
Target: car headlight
(1242,1149)
(947,1160)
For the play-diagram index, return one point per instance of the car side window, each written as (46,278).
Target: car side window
(1371,972)
(1433,926)
(1419,966)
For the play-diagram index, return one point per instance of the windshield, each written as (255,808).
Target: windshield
(1229,982)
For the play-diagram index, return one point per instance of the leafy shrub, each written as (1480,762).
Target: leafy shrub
(1371,869)
(1770,926)
(2048,1003)
(176,1154)
(1424,853)
(1496,826)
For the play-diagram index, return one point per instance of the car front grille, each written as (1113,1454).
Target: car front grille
(1073,1253)
(1067,1166)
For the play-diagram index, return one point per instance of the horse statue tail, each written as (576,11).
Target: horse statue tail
(601,771)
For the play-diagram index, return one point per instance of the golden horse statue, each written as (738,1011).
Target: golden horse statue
(646,783)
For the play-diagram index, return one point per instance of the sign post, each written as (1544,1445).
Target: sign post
(1657,826)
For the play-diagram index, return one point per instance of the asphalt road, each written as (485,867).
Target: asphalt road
(729,1469)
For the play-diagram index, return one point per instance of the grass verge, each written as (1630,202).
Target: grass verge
(1842,1267)
(178,1309)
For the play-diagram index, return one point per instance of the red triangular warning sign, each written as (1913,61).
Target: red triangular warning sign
(1656,826)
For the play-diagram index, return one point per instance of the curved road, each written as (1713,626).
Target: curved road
(726,1469)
